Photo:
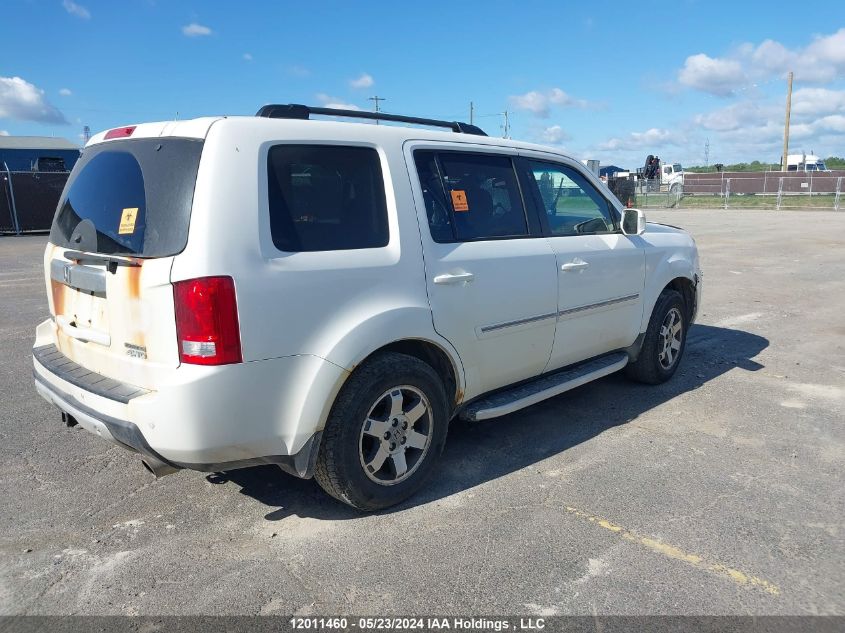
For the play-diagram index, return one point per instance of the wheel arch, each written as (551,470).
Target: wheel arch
(407,331)
(436,356)
(686,287)
(676,273)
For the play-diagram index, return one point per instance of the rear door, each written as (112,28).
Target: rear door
(600,271)
(490,274)
(122,218)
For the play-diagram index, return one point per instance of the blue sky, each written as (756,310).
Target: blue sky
(605,80)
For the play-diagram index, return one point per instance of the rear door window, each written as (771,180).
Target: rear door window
(130,197)
(326,198)
(470,196)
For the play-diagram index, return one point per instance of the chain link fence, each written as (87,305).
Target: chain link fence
(741,190)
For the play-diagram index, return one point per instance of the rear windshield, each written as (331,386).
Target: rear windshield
(130,197)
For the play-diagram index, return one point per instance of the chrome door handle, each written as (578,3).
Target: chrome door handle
(574,266)
(454,279)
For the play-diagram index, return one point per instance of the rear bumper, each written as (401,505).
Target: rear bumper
(268,412)
(128,435)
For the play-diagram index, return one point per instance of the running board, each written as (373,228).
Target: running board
(542,388)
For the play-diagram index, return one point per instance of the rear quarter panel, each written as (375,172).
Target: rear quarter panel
(337,305)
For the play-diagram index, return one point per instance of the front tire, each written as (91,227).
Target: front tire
(384,434)
(664,342)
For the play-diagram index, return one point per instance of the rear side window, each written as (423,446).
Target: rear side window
(470,196)
(326,198)
(130,197)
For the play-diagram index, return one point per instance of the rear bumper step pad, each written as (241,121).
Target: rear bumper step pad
(57,363)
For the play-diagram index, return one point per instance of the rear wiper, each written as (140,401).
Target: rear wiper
(112,260)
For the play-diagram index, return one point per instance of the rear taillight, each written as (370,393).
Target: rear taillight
(207,321)
(120,132)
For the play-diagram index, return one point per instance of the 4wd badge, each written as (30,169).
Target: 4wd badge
(136,351)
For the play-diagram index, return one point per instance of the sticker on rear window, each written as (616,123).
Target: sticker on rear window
(459,200)
(127,221)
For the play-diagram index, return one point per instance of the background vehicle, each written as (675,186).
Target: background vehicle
(343,292)
(805,162)
(658,175)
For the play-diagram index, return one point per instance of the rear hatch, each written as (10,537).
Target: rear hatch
(123,216)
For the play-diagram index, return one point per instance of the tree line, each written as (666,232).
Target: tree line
(832,162)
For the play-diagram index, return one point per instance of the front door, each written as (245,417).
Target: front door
(491,275)
(600,271)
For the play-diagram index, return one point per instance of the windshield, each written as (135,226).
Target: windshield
(676,167)
(129,197)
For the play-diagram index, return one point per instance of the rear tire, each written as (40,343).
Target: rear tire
(384,434)
(664,342)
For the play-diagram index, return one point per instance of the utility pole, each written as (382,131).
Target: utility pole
(786,125)
(471,111)
(507,125)
(376,99)
(707,153)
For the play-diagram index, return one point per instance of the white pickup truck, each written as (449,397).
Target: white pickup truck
(327,296)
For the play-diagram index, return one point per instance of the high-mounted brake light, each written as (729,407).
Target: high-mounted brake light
(207,321)
(120,132)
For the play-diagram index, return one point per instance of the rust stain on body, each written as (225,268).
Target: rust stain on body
(58,291)
(133,283)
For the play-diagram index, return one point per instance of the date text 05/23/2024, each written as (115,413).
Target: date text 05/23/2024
(417,624)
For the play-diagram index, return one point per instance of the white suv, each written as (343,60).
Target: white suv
(326,296)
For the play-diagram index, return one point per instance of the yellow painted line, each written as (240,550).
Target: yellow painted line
(675,553)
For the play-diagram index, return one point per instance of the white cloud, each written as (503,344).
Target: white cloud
(195,30)
(364,81)
(4,133)
(650,139)
(734,116)
(65,92)
(335,102)
(21,100)
(298,71)
(716,76)
(815,111)
(247,57)
(814,101)
(832,123)
(540,103)
(76,9)
(820,61)
(554,135)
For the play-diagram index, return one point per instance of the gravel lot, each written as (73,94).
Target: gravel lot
(720,492)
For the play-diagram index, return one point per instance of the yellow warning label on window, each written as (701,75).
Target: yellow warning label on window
(127,221)
(459,200)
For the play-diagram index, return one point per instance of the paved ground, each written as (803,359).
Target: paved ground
(719,492)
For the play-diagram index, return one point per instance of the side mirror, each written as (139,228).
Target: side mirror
(633,222)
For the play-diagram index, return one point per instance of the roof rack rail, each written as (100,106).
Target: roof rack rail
(299,111)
